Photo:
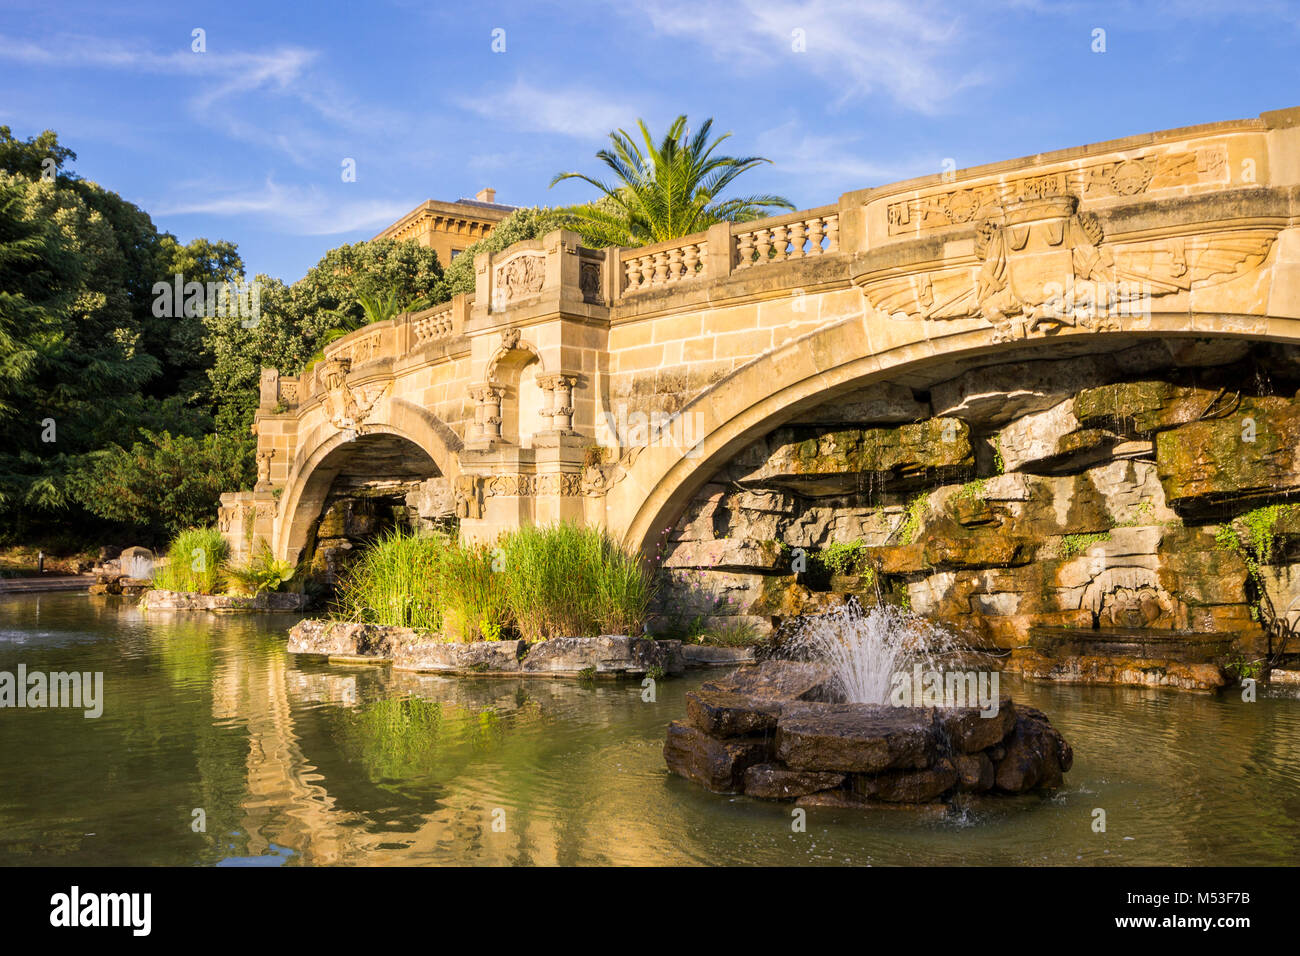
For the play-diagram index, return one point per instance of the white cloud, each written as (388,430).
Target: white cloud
(915,51)
(575,111)
(303,211)
(840,161)
(240,93)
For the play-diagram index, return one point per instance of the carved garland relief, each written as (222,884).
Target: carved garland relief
(1101,180)
(1043,264)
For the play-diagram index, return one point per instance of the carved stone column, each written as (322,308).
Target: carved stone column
(487,414)
(561,408)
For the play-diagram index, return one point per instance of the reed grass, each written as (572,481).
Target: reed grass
(537,582)
(564,580)
(474,602)
(194,562)
(395,581)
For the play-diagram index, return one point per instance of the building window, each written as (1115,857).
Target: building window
(456,252)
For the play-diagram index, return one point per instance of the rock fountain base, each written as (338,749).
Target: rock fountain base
(775,732)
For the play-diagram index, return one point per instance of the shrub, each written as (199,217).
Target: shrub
(194,562)
(262,572)
(396,582)
(733,634)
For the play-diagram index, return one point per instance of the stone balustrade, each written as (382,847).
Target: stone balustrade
(652,267)
(432,324)
(798,235)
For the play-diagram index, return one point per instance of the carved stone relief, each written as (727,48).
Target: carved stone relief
(1044,264)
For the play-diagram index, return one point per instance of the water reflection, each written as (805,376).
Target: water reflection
(298,762)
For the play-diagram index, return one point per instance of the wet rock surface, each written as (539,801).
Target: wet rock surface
(612,655)
(159,600)
(755,732)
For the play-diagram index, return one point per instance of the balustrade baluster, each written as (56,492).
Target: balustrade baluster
(780,238)
(674,265)
(745,250)
(797,239)
(815,236)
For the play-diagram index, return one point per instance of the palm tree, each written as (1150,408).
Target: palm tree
(666,191)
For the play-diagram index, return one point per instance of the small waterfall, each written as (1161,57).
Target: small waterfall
(865,649)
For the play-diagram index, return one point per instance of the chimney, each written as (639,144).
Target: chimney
(486,195)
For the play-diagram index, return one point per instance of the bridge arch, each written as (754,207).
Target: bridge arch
(428,446)
(838,359)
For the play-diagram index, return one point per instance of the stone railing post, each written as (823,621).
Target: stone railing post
(720,259)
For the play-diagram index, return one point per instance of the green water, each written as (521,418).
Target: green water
(295,762)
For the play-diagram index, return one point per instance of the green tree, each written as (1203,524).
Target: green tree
(529,223)
(165,482)
(665,191)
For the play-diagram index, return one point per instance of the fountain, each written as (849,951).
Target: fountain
(866,650)
(864,713)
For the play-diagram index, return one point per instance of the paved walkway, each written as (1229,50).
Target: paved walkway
(47,582)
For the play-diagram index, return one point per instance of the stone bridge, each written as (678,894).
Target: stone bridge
(610,386)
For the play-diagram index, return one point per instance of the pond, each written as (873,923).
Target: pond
(217,747)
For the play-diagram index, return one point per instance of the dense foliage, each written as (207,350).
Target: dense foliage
(122,417)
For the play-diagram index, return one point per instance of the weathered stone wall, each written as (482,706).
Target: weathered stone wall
(1089,494)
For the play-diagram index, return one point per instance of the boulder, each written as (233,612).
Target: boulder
(1209,462)
(909,786)
(136,563)
(728,714)
(860,738)
(777,680)
(970,731)
(816,462)
(729,554)
(975,772)
(884,402)
(718,765)
(773,782)
(1139,409)
(1036,755)
(499,657)
(607,654)
(1053,440)
(346,639)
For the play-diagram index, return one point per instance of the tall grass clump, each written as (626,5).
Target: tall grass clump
(474,600)
(395,581)
(194,561)
(568,581)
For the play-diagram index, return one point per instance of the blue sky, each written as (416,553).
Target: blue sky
(246,141)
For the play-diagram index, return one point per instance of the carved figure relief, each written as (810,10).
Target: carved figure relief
(348,407)
(469,496)
(521,276)
(589,281)
(599,477)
